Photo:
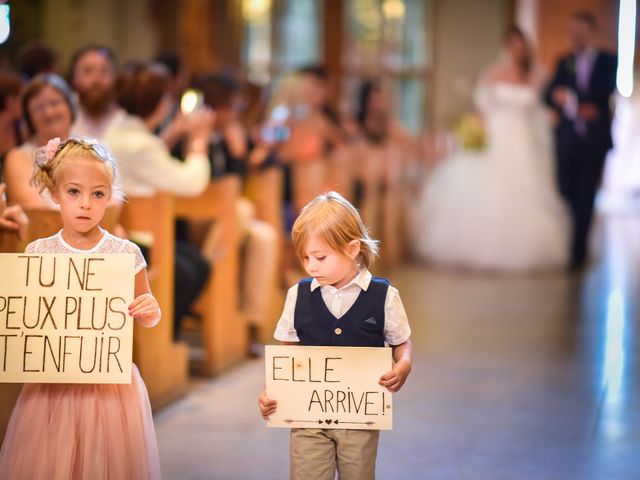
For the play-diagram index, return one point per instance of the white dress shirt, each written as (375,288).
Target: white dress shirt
(146,165)
(339,301)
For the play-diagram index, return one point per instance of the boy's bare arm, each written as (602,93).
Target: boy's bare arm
(402,360)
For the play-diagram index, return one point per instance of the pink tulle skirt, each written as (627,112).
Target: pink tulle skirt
(81,431)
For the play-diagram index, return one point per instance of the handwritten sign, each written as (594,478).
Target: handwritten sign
(64,318)
(328,387)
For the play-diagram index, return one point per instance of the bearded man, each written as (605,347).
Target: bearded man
(92,75)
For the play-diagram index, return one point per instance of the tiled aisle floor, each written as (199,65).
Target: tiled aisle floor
(515,378)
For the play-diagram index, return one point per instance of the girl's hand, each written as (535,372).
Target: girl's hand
(267,406)
(395,378)
(145,308)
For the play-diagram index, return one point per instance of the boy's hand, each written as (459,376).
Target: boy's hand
(145,308)
(267,406)
(395,378)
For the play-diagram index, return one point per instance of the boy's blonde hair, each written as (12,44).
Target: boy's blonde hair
(47,171)
(337,222)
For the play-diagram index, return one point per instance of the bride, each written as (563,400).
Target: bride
(498,209)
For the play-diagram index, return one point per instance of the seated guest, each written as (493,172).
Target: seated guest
(145,162)
(338,152)
(48,112)
(383,167)
(228,152)
(312,137)
(173,128)
(147,166)
(228,146)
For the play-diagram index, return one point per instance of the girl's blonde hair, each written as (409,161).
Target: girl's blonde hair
(337,222)
(47,171)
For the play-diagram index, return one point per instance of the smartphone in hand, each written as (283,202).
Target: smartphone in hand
(191,100)
(275,133)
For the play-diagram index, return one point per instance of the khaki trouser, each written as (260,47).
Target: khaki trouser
(316,453)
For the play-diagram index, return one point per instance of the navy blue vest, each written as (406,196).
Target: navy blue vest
(361,326)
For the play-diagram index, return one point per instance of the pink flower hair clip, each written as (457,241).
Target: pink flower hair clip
(51,149)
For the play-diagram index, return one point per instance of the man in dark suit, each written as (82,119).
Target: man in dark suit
(579,93)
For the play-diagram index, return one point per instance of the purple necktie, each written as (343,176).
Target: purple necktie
(583,75)
(583,71)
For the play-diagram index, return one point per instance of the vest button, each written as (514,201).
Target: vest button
(338,331)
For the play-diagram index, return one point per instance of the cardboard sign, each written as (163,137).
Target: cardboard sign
(328,387)
(64,318)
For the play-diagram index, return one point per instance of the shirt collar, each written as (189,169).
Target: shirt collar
(362,280)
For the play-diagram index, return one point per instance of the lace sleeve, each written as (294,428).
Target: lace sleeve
(140,262)
(33,247)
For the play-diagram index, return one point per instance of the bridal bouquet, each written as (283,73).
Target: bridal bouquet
(470,132)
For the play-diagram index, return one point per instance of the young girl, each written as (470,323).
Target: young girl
(82,431)
(333,308)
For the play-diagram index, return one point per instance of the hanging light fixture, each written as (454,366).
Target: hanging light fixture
(255,10)
(393,9)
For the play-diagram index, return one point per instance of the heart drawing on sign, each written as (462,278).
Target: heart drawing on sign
(328,422)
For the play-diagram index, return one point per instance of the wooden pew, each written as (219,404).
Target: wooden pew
(163,363)
(265,188)
(224,330)
(42,223)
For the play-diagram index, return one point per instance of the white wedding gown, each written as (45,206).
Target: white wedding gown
(498,209)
